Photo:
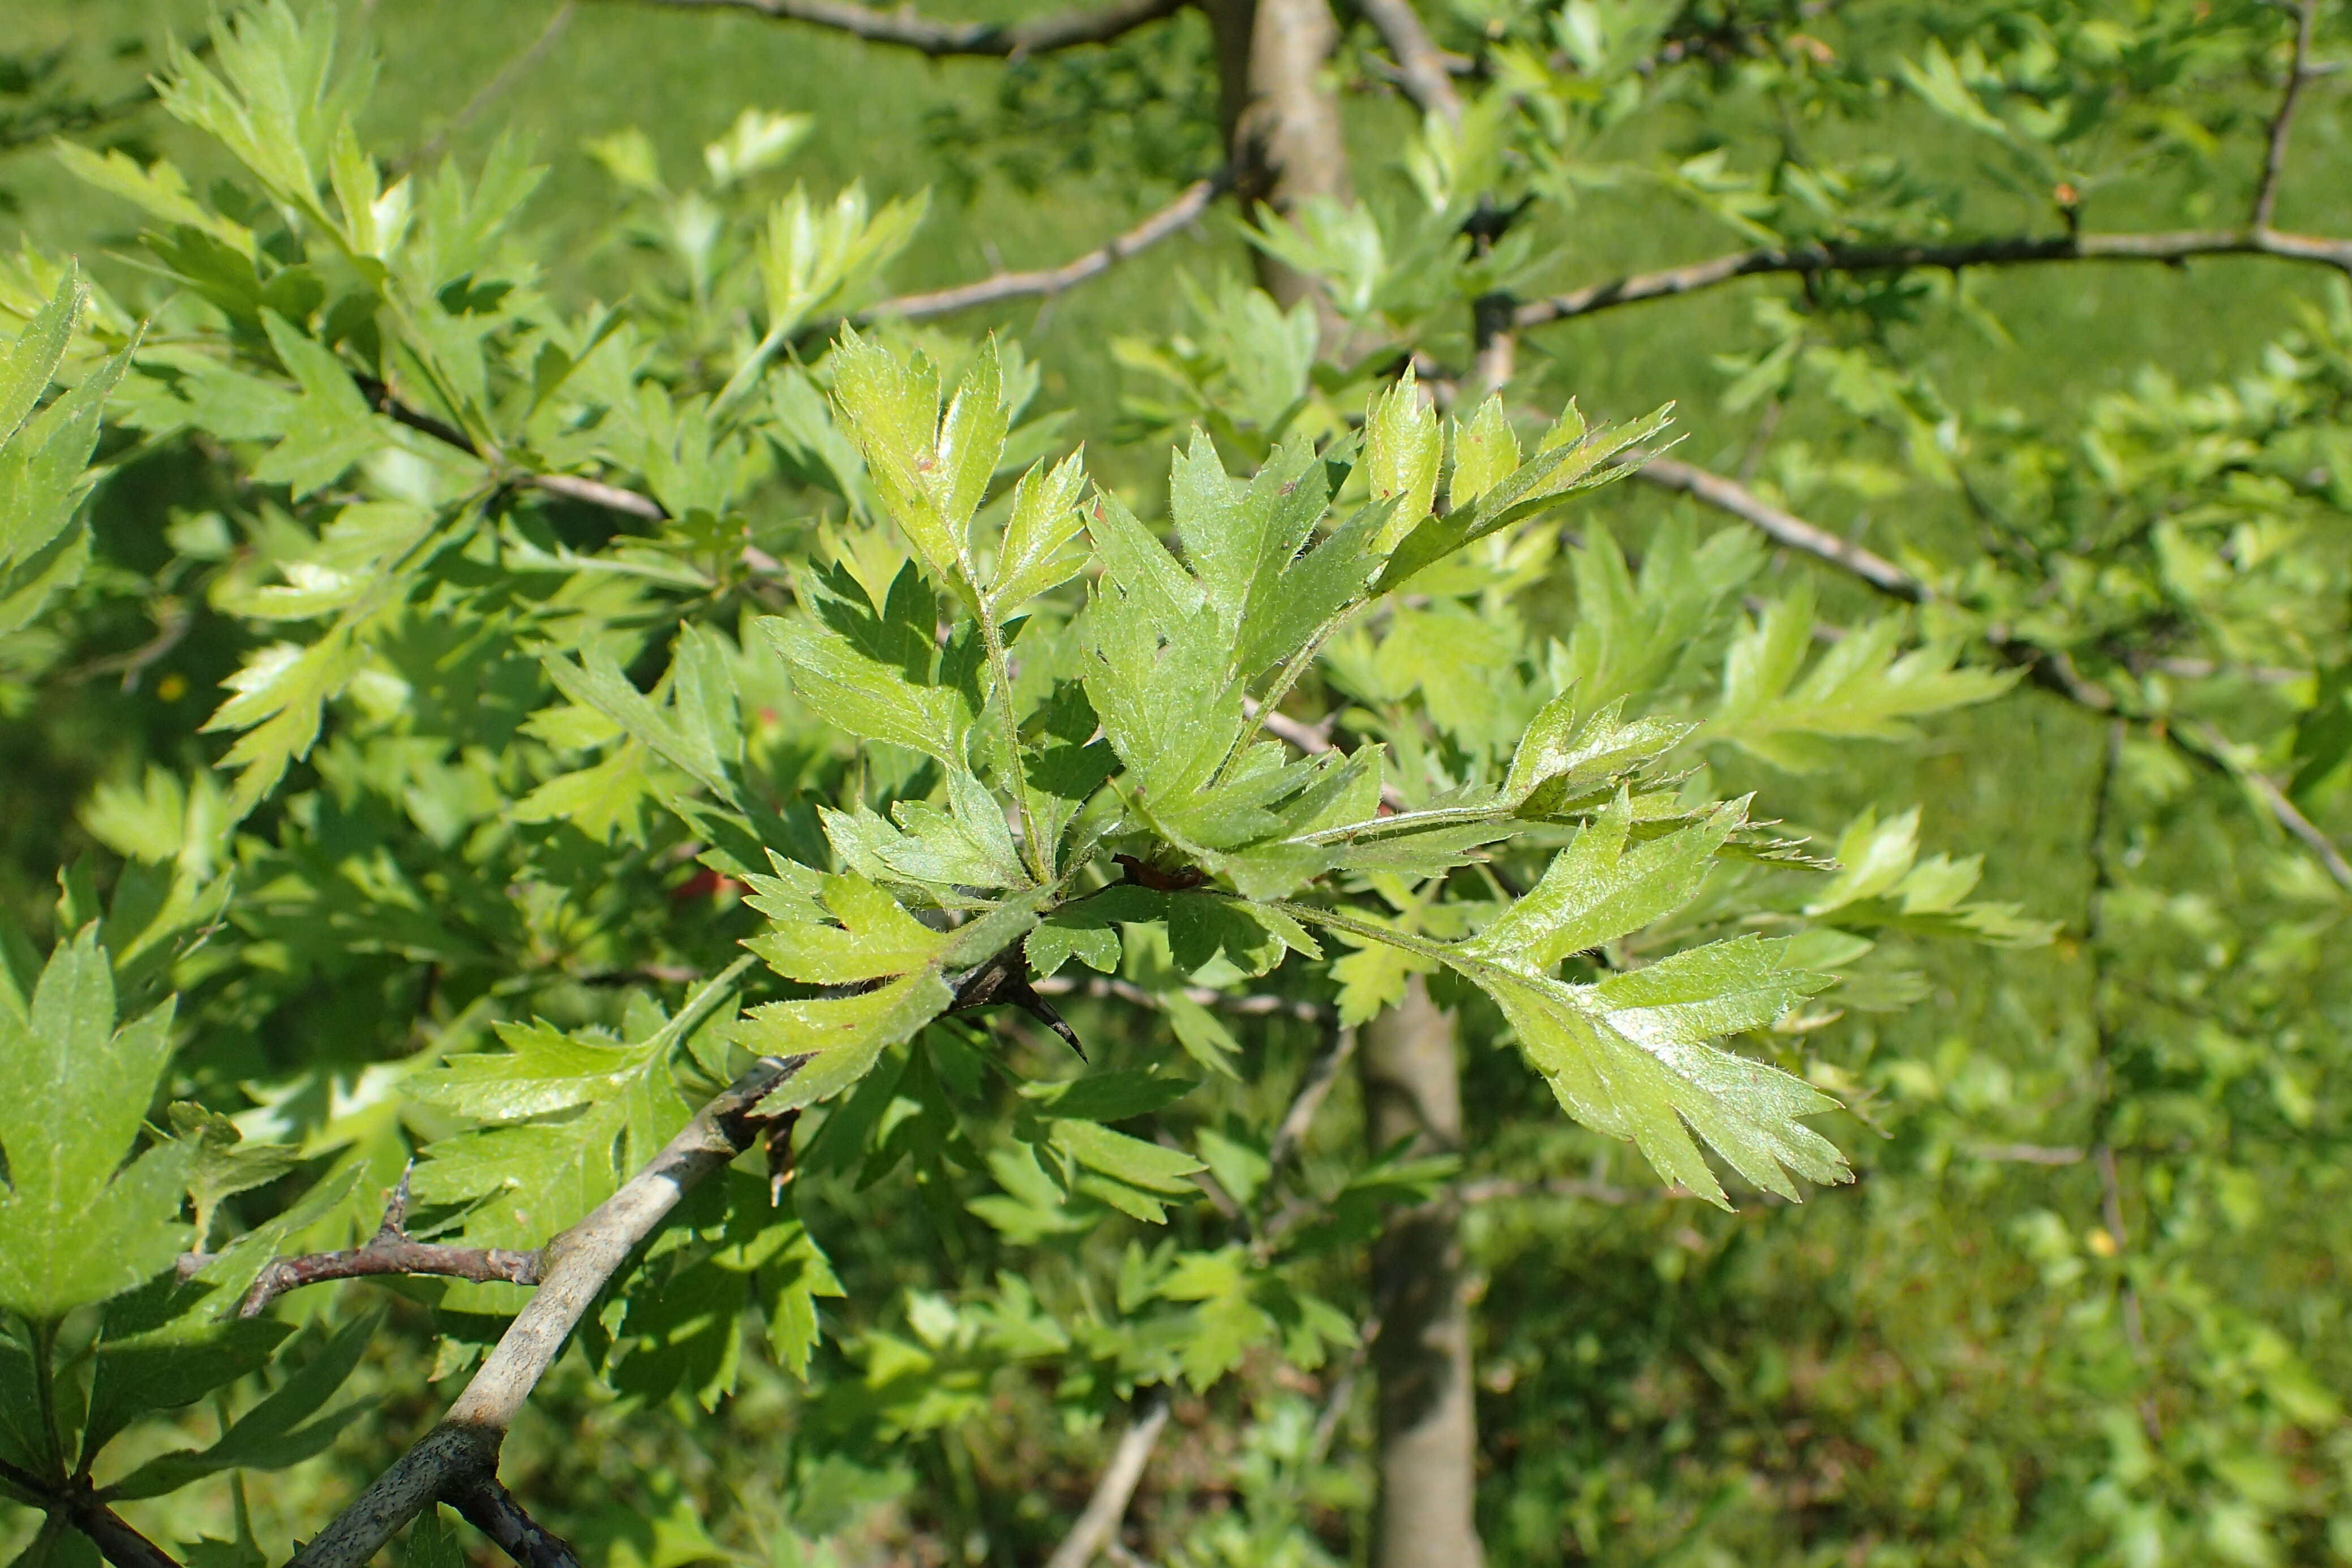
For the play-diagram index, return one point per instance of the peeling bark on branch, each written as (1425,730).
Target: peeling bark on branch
(905,29)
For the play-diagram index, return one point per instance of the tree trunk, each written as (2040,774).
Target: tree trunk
(1421,1356)
(1281,121)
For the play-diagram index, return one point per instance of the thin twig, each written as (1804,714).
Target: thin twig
(1173,218)
(2205,740)
(116,1540)
(2169,248)
(1243,1004)
(2275,153)
(1314,1088)
(596,493)
(904,29)
(490,1508)
(1785,527)
(2027,1153)
(396,1255)
(2049,668)
(490,91)
(463,1448)
(1421,65)
(1117,1488)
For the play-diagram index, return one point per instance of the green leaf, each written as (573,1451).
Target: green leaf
(1544,480)
(330,428)
(1775,708)
(43,479)
(834,930)
(1724,987)
(813,259)
(543,1070)
(1203,1035)
(867,697)
(1598,889)
(1402,439)
(1485,453)
(31,362)
(1110,1096)
(1131,1160)
(219,1167)
(599,685)
(77,1225)
(1037,554)
(432,1543)
(1649,1089)
(285,1427)
(845,1036)
(280,694)
(893,410)
(1560,758)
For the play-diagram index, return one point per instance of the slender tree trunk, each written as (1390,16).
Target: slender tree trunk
(1281,121)
(1421,1358)
(1281,124)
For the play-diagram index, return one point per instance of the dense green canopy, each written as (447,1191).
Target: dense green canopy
(798,783)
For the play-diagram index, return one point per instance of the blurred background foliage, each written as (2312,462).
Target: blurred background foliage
(1996,1347)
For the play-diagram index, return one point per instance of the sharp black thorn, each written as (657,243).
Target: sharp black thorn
(1038,1007)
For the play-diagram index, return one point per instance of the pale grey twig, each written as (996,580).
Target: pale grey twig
(458,1454)
(1421,65)
(925,34)
(1107,1506)
(2170,248)
(2275,152)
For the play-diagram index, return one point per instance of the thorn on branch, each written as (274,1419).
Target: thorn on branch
(1005,979)
(779,1154)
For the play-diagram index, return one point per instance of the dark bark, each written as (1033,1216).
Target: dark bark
(1421,1353)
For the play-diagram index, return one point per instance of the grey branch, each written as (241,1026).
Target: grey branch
(1243,1004)
(905,29)
(1421,67)
(395,1254)
(2173,248)
(1785,527)
(1099,1521)
(2275,153)
(2205,741)
(596,493)
(389,1252)
(1498,1190)
(2049,668)
(452,1459)
(1177,216)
